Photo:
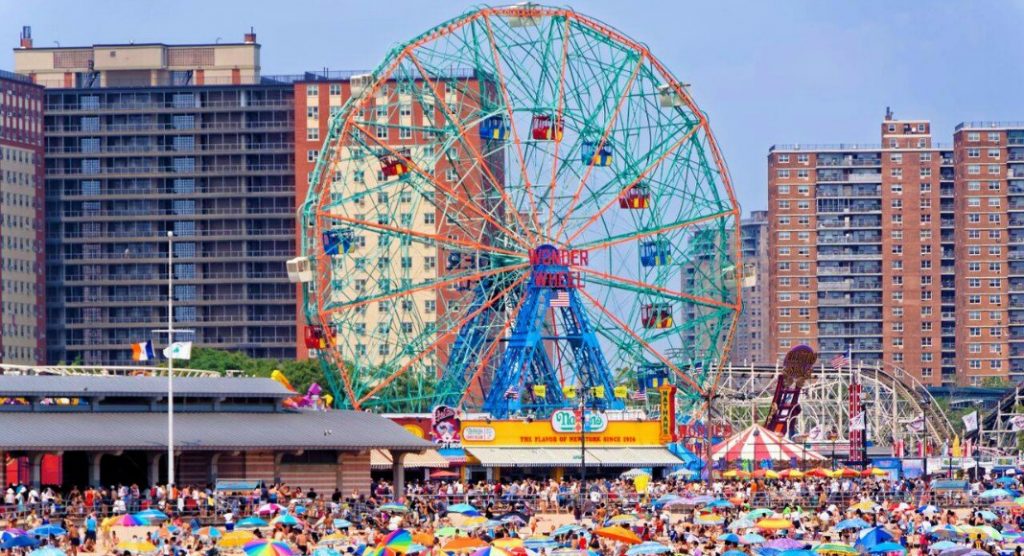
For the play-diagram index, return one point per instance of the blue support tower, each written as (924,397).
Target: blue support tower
(551,323)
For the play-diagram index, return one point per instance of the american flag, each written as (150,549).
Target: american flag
(561,299)
(639,395)
(840,361)
(512,393)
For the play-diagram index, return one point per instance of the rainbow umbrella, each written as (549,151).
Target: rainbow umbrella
(266,547)
(209,532)
(491,551)
(398,540)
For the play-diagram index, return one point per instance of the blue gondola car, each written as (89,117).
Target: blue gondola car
(590,154)
(655,252)
(494,128)
(338,241)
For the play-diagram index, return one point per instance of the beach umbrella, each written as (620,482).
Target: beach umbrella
(152,514)
(8,534)
(325,551)
(617,533)
(19,541)
(47,551)
(774,523)
(540,543)
(855,523)
(751,538)
(287,519)
(709,519)
(491,551)
(648,548)
(942,545)
(564,529)
(996,493)
(137,547)
(736,474)
(507,543)
(464,544)
(785,544)
(1006,480)
(797,552)
(791,474)
(342,523)
(210,532)
(764,474)
(128,520)
(758,513)
(426,539)
(47,530)
(874,472)
(634,473)
(334,537)
(463,509)
(872,536)
(959,550)
(416,548)
(398,540)
(864,506)
(819,472)
(251,523)
(299,510)
(734,553)
(682,473)
(393,508)
(621,519)
(269,509)
(835,548)
(945,532)
(985,532)
(887,548)
(987,515)
(742,523)
(235,539)
(729,537)
(928,509)
(513,517)
(445,532)
(718,503)
(267,547)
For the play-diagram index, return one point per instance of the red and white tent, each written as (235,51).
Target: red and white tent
(757,443)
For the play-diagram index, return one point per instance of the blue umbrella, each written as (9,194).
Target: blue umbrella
(251,523)
(987,515)
(567,529)
(730,537)
(886,547)
(945,532)
(342,523)
(540,543)
(463,509)
(719,503)
(996,493)
(752,538)
(20,541)
(855,523)
(648,548)
(152,514)
(47,530)
(798,552)
(927,509)
(873,536)
(324,551)
(734,553)
(1006,480)
(299,510)
(47,551)
(945,545)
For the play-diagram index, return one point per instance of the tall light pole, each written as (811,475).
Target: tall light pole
(170,361)
(583,449)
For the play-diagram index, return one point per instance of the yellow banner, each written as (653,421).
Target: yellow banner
(621,392)
(540,390)
(569,392)
(542,433)
(597,391)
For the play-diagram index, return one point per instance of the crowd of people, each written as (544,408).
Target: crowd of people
(613,517)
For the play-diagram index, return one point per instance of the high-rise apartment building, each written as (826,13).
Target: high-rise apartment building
(750,343)
(862,251)
(22,318)
(146,139)
(989,159)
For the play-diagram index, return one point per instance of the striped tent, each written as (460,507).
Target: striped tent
(757,443)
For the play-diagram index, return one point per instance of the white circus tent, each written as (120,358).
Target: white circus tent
(756,443)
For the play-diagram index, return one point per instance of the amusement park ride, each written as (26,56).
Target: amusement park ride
(560,174)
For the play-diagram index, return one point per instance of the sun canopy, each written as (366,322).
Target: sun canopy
(757,443)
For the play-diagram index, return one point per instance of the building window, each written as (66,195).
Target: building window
(312,133)
(311,155)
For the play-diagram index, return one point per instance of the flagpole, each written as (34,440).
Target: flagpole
(170,363)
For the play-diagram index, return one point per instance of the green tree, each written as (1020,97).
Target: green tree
(299,373)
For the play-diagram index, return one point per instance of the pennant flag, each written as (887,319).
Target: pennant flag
(178,350)
(916,424)
(971,421)
(858,422)
(1017,423)
(143,351)
(957,452)
(512,393)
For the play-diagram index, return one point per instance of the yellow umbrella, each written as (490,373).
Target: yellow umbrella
(236,539)
(336,536)
(736,474)
(136,546)
(623,518)
(508,542)
(864,506)
(769,474)
(792,474)
(774,523)
(463,544)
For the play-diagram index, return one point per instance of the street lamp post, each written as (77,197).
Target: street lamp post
(583,449)
(832,437)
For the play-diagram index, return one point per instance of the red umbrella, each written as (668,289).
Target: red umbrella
(443,474)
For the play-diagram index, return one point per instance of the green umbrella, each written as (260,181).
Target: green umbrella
(446,532)
(758,513)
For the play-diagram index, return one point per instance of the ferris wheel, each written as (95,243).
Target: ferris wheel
(517,209)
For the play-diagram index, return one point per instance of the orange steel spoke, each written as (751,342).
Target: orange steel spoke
(439,341)
(432,285)
(452,194)
(404,231)
(652,287)
(500,185)
(636,337)
(598,146)
(494,347)
(516,140)
(649,233)
(641,176)
(335,358)
(561,108)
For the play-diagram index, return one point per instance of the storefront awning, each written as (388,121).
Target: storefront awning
(652,456)
(381,459)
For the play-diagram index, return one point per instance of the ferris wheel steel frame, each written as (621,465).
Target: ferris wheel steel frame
(509,196)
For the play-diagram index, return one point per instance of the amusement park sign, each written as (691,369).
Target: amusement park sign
(564,420)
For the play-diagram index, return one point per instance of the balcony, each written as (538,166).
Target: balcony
(170,171)
(834,286)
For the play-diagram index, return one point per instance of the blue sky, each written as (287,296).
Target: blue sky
(804,71)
